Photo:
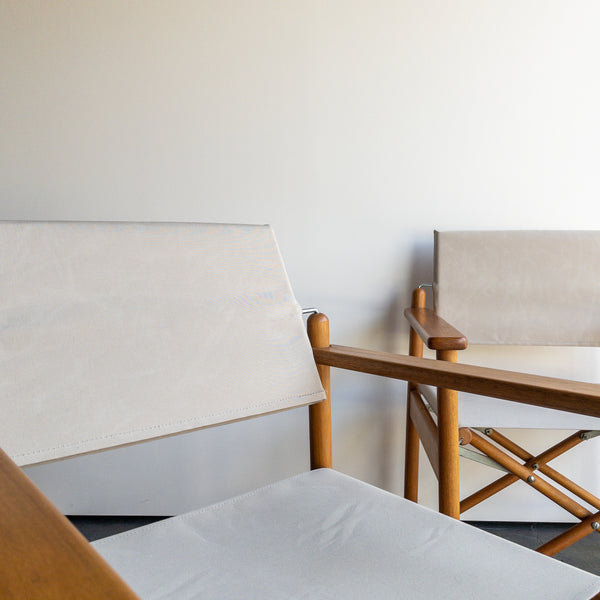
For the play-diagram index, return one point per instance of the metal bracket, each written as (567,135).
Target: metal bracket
(484,430)
(426,401)
(588,435)
(310,311)
(422,285)
(480,458)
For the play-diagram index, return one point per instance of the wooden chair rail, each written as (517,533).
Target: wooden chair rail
(548,392)
(42,556)
(434,331)
(427,429)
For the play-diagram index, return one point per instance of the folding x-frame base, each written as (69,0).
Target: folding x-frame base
(443,441)
(528,471)
(493,448)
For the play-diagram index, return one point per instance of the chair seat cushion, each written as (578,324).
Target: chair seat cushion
(325,535)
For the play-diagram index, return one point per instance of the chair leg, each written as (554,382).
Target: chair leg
(411,456)
(590,522)
(319,414)
(486,492)
(575,533)
(538,462)
(448,442)
(526,473)
(411,460)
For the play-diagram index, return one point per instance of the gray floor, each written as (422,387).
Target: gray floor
(584,554)
(95,528)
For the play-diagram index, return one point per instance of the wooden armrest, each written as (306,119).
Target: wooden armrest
(42,556)
(548,392)
(434,331)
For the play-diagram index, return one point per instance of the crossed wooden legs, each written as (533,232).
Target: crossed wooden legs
(528,471)
(441,440)
(436,441)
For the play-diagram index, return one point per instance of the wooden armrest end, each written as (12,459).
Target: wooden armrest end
(434,331)
(42,556)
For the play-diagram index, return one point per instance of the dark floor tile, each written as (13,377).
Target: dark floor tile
(584,554)
(94,528)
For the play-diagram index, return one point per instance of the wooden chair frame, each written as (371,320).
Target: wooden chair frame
(442,440)
(44,556)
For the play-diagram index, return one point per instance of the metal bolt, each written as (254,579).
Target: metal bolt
(535,466)
(531,479)
(595,525)
(488,431)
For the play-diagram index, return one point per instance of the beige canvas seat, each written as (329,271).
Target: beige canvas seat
(115,333)
(531,288)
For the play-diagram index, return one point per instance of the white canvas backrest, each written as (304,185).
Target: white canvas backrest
(112,333)
(520,287)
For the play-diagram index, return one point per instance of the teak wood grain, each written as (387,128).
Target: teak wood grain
(427,429)
(319,414)
(411,457)
(546,456)
(434,331)
(42,556)
(572,535)
(549,392)
(447,411)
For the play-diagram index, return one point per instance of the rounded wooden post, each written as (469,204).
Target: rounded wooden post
(411,455)
(319,414)
(565,539)
(448,441)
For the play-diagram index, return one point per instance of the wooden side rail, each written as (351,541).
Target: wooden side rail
(428,431)
(42,556)
(434,331)
(549,392)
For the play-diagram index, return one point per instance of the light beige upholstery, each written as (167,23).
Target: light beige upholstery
(128,315)
(520,287)
(323,535)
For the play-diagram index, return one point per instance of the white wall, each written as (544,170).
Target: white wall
(355,128)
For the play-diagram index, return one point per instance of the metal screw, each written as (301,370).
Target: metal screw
(531,479)
(535,466)
(488,431)
(595,525)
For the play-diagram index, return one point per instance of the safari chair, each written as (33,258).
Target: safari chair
(512,288)
(115,333)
